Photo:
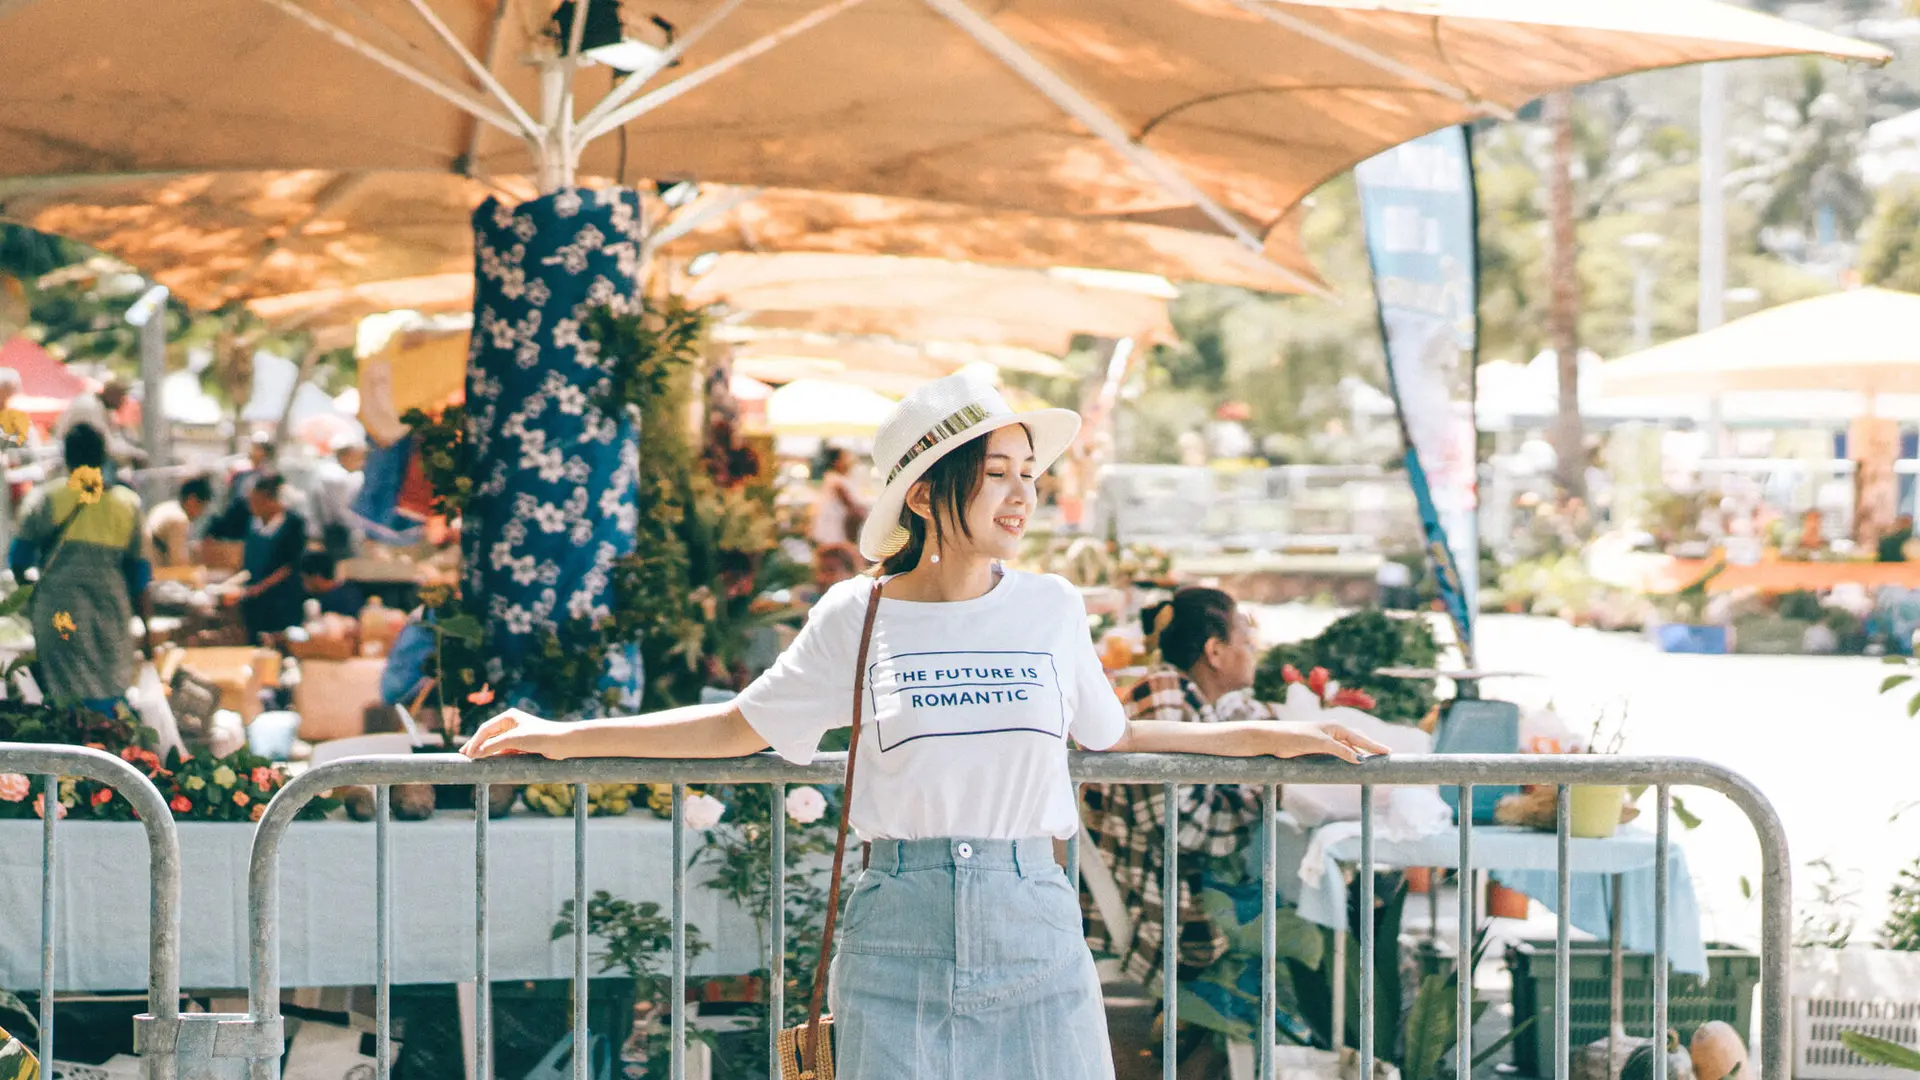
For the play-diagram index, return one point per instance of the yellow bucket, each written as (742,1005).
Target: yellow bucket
(1596,810)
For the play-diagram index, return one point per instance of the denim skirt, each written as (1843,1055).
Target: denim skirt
(964,960)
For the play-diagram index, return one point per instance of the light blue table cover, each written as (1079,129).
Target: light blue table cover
(327,906)
(1527,862)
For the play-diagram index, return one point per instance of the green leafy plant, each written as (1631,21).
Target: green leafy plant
(1902,929)
(1432,1026)
(638,940)
(1352,650)
(447,459)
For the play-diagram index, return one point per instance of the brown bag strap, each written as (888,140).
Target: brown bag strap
(840,843)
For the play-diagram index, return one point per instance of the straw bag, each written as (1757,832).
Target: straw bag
(806,1051)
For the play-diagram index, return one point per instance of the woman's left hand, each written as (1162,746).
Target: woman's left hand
(1292,739)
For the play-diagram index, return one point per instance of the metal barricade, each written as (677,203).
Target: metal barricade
(257,1039)
(156,1031)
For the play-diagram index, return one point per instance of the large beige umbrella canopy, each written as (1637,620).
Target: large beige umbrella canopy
(1208,113)
(330,247)
(932,300)
(1862,341)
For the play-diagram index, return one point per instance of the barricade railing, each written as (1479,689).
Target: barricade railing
(255,1037)
(46,766)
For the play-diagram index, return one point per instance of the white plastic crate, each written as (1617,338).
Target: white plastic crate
(1871,991)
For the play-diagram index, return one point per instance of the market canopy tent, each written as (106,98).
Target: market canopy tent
(934,300)
(1130,110)
(1863,341)
(315,247)
(46,386)
(826,410)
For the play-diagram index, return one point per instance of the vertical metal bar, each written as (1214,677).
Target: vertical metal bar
(1073,845)
(1463,964)
(482,977)
(1617,977)
(1661,839)
(1269,931)
(49,814)
(1170,930)
(1367,945)
(777,932)
(676,1057)
(383,928)
(582,1061)
(1563,939)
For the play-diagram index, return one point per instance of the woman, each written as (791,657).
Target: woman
(1208,655)
(838,516)
(86,538)
(962,954)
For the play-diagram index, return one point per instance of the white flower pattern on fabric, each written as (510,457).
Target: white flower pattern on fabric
(560,477)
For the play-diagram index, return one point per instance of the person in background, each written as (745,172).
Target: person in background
(1208,654)
(336,485)
(1893,546)
(837,515)
(170,526)
(85,536)
(274,595)
(319,573)
(234,518)
(100,411)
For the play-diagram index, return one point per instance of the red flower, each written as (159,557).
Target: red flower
(482,696)
(103,796)
(1354,699)
(240,798)
(180,804)
(1290,674)
(1317,680)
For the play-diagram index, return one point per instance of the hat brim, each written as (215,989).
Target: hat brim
(1053,431)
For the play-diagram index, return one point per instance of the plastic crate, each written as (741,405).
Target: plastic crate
(1727,995)
(1871,991)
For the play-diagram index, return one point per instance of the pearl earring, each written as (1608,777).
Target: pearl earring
(936,558)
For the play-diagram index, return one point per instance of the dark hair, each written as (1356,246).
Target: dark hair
(85,446)
(197,488)
(268,484)
(952,482)
(318,564)
(1194,616)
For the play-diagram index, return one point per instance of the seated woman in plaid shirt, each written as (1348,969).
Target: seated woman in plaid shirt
(1208,654)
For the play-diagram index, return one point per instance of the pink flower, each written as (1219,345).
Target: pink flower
(1317,680)
(181,804)
(258,813)
(262,777)
(703,811)
(103,796)
(1290,674)
(806,805)
(40,807)
(240,798)
(14,787)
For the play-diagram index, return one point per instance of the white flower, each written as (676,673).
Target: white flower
(551,519)
(806,805)
(538,294)
(571,399)
(567,203)
(703,811)
(519,620)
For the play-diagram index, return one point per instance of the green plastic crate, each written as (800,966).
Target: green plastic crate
(1727,995)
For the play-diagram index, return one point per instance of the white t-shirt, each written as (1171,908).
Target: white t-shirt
(968,707)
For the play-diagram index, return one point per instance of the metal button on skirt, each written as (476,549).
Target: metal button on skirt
(964,960)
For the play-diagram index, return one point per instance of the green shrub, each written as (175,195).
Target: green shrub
(1352,649)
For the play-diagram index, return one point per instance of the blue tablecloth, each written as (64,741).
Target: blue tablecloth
(1526,861)
(327,906)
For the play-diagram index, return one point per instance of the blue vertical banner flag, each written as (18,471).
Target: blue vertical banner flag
(1421,217)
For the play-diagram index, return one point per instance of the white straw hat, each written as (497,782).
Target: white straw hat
(927,425)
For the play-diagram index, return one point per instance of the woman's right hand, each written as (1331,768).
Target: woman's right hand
(516,731)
